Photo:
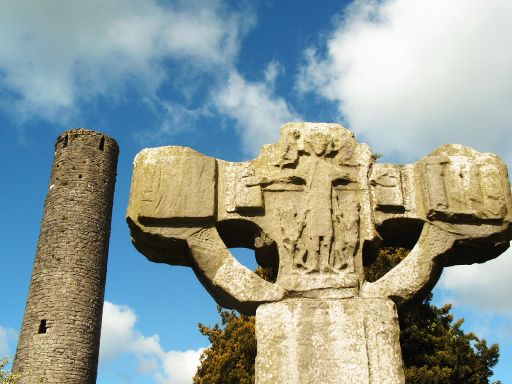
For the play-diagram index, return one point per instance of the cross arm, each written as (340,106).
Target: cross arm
(462,200)
(172,215)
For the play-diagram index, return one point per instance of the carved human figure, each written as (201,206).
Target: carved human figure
(319,210)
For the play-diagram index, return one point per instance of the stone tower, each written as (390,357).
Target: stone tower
(60,335)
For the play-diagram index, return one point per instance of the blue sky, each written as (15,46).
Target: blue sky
(222,76)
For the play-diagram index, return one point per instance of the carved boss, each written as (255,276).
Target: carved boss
(315,206)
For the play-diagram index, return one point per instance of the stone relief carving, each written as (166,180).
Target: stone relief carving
(313,203)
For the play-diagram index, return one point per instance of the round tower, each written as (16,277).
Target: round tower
(60,334)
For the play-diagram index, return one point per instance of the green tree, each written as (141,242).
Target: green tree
(6,377)
(435,349)
(231,355)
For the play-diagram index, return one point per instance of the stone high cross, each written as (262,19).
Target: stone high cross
(315,206)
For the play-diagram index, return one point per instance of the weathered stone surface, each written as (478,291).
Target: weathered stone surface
(60,335)
(234,285)
(388,189)
(311,205)
(354,341)
(461,184)
(163,192)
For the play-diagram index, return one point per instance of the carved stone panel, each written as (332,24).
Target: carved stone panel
(463,184)
(174,183)
(241,195)
(314,181)
(387,183)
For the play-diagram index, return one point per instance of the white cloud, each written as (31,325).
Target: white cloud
(57,53)
(7,338)
(180,367)
(411,75)
(481,287)
(174,118)
(120,336)
(273,70)
(256,109)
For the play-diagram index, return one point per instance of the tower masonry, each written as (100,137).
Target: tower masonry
(60,335)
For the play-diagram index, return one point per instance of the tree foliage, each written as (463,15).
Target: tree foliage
(231,355)
(6,377)
(435,349)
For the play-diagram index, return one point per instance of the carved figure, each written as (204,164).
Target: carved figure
(313,205)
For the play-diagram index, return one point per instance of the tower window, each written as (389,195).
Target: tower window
(42,327)
(102,143)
